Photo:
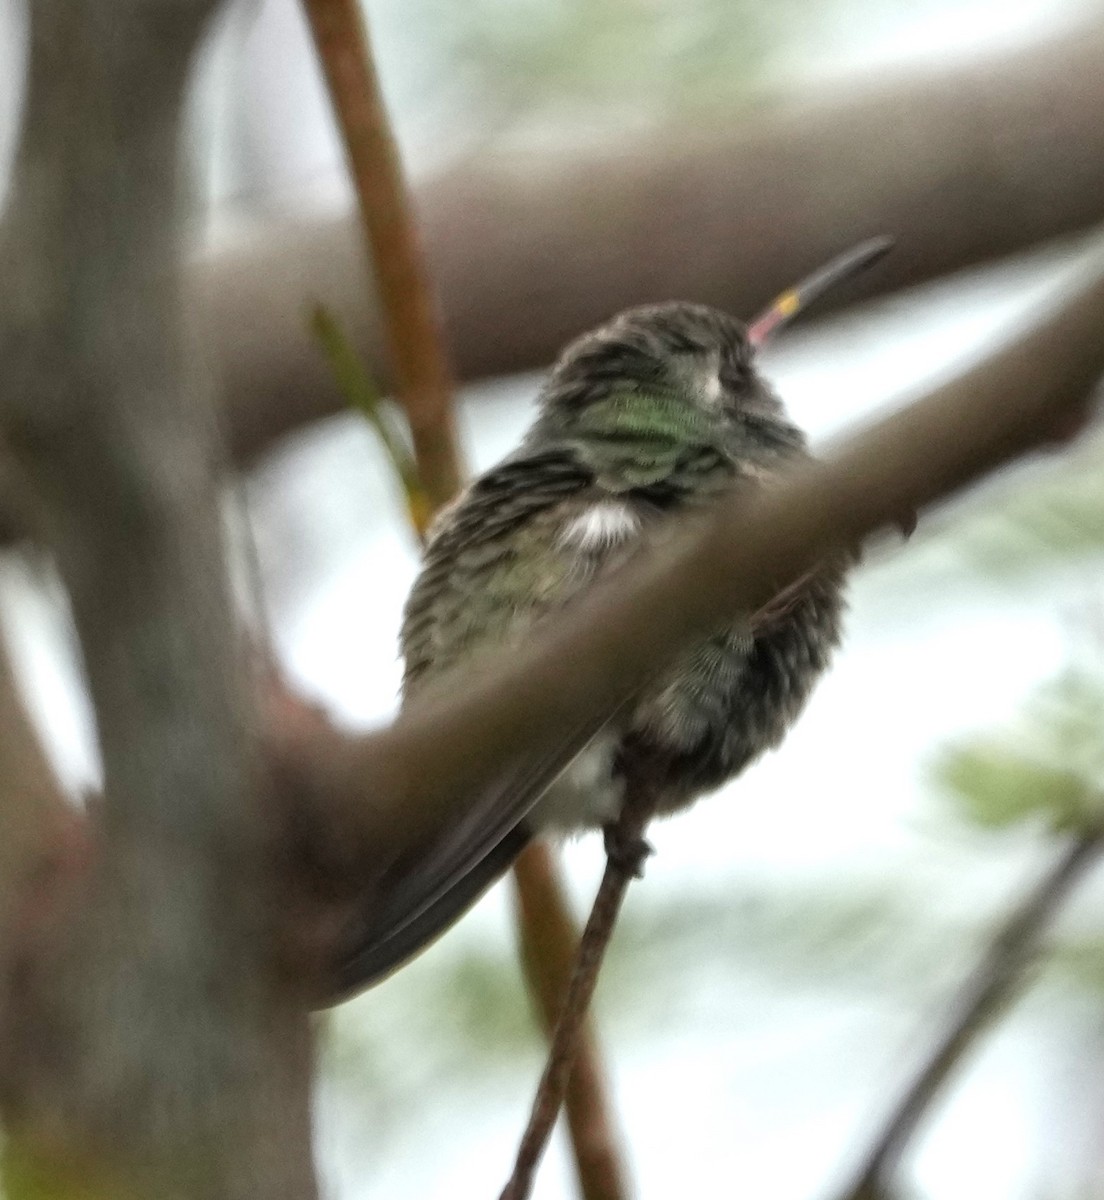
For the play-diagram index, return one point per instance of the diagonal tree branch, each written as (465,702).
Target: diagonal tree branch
(568,1034)
(990,986)
(548,940)
(459,742)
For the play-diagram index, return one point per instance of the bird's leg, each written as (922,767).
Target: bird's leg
(626,850)
(629,852)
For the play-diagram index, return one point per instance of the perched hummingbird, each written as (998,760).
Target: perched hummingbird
(641,421)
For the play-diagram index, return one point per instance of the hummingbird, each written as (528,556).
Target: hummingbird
(640,423)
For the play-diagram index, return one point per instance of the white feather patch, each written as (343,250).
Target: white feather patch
(586,795)
(711,387)
(601,525)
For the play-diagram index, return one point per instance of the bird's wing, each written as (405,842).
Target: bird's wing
(372,957)
(492,564)
(476,589)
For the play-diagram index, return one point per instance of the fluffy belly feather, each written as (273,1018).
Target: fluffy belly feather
(586,795)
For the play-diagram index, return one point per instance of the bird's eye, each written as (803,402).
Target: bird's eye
(732,375)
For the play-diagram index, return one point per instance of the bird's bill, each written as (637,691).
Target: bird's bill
(797,299)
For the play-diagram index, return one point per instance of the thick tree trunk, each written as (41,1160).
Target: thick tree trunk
(149,1044)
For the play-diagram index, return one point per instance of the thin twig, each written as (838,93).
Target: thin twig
(422,375)
(362,394)
(1001,970)
(627,848)
(264,662)
(549,939)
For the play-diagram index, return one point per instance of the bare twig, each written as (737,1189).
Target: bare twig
(549,940)
(996,978)
(362,393)
(626,853)
(422,377)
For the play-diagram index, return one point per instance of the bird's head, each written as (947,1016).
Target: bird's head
(691,366)
(675,354)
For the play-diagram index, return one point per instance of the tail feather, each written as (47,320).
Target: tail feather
(369,959)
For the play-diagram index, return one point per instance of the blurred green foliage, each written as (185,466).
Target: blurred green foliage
(1037,528)
(1059,519)
(426,1022)
(641,58)
(1049,764)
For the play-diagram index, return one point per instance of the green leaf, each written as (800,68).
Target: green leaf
(1048,765)
(362,394)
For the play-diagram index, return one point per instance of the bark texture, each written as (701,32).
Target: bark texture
(149,1042)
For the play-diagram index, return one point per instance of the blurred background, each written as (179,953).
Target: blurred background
(789,955)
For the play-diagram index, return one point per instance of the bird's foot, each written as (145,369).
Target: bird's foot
(628,852)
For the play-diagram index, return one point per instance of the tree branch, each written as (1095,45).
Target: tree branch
(626,849)
(963,163)
(1001,970)
(450,747)
(408,312)
(549,940)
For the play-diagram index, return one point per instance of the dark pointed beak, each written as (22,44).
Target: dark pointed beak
(797,299)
